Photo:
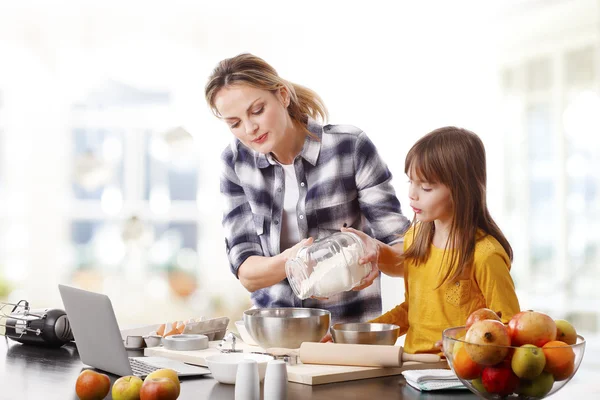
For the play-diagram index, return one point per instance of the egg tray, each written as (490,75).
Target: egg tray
(213,328)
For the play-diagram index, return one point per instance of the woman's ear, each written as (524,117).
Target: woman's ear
(284,96)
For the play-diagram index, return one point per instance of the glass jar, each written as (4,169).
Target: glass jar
(328,266)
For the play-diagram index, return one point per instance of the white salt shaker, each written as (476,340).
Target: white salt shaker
(247,382)
(275,386)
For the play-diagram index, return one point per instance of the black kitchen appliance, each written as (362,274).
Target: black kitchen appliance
(47,327)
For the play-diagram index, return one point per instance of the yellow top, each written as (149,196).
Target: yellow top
(427,311)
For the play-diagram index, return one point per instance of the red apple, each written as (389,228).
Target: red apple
(127,388)
(166,373)
(92,385)
(158,389)
(480,315)
(482,334)
(499,379)
(531,327)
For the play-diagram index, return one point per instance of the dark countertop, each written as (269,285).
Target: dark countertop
(29,372)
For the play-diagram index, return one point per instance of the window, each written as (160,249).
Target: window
(553,194)
(134,187)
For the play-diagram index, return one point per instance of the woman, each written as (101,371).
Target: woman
(286,179)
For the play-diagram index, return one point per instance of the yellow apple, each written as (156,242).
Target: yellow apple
(165,373)
(477,384)
(528,361)
(538,387)
(565,332)
(127,388)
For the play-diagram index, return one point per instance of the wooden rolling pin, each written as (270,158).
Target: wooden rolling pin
(362,355)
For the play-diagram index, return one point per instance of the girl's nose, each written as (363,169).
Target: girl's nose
(412,194)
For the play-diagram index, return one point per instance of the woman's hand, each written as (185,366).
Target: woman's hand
(292,251)
(371,256)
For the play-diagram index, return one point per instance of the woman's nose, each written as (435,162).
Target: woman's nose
(251,127)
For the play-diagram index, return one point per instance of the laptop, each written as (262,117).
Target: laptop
(99,339)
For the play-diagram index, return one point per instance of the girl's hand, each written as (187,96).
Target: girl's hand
(371,256)
(327,338)
(368,280)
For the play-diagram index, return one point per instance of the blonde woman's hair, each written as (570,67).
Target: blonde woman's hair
(454,157)
(248,69)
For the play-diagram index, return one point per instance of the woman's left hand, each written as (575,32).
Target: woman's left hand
(371,256)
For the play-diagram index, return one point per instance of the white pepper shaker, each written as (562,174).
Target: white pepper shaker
(247,381)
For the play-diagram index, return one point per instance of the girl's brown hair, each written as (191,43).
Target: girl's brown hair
(253,71)
(454,157)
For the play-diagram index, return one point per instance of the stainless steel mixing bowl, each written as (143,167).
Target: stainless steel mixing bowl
(286,327)
(365,333)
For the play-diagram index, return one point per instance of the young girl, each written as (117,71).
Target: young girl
(456,260)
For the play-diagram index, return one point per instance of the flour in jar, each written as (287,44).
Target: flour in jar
(336,274)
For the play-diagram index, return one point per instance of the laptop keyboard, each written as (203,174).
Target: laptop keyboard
(141,368)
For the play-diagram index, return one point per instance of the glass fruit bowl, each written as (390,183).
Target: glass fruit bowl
(500,372)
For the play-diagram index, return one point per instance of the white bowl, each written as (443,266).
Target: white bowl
(153,340)
(224,366)
(245,335)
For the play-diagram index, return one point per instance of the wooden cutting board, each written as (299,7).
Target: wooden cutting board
(308,374)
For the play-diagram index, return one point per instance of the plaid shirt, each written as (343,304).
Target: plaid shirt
(341,179)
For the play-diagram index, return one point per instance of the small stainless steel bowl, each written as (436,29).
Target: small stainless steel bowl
(365,333)
(286,327)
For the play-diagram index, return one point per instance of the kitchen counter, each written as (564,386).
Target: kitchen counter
(28,372)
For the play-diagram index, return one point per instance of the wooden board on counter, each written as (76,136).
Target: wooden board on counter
(308,374)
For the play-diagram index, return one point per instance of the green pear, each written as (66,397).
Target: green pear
(528,361)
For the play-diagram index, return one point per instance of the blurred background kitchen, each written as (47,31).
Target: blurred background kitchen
(109,156)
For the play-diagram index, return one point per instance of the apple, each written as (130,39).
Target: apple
(484,333)
(158,389)
(528,361)
(480,315)
(127,388)
(531,327)
(565,332)
(537,387)
(166,373)
(92,385)
(499,379)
